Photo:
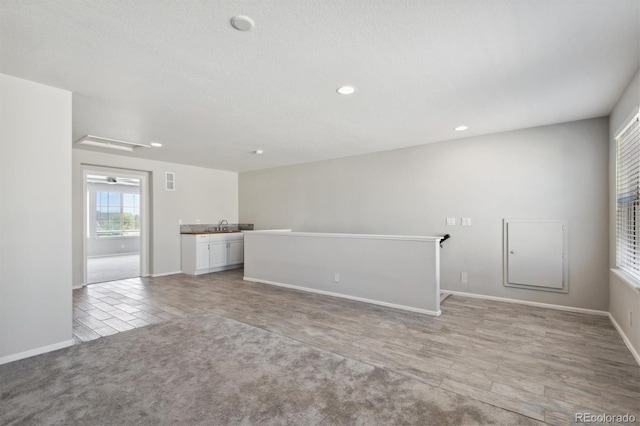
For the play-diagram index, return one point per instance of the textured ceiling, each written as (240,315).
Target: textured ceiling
(176,72)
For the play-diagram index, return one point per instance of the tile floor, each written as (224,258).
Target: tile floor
(111,307)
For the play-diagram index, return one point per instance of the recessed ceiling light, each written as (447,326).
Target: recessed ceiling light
(258,151)
(155,144)
(242,23)
(346,90)
(460,128)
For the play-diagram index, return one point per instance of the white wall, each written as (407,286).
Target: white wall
(554,172)
(622,298)
(112,246)
(205,194)
(390,271)
(35,218)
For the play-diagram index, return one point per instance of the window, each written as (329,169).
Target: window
(628,199)
(117,214)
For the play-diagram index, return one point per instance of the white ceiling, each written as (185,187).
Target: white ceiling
(176,72)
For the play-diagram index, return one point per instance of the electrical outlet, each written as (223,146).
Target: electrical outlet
(463,277)
(179,221)
(198,221)
(466,221)
(121,245)
(451,221)
(336,277)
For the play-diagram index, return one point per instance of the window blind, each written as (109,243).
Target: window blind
(628,199)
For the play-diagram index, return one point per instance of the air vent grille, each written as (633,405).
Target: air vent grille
(170,181)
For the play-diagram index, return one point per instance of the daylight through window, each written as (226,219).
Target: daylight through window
(117,214)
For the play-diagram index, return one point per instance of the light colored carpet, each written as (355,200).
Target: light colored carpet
(208,370)
(112,268)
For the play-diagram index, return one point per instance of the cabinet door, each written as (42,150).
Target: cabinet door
(202,256)
(218,254)
(236,252)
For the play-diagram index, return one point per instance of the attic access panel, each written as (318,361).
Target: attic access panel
(535,254)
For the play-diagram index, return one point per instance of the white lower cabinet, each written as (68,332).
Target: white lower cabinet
(202,256)
(218,253)
(235,252)
(204,253)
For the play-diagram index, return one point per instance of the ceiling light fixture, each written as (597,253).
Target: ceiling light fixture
(460,128)
(258,152)
(109,143)
(346,90)
(156,144)
(242,23)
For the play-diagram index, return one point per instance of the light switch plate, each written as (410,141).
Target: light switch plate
(466,221)
(451,221)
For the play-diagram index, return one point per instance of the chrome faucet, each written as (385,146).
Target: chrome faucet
(222,223)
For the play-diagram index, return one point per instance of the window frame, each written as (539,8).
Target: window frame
(121,230)
(627,200)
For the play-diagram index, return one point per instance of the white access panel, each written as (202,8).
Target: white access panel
(536,254)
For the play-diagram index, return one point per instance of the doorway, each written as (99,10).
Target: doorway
(115,224)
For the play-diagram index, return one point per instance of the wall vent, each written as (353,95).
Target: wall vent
(170,181)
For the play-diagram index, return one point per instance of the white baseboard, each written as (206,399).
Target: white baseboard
(112,255)
(345,296)
(36,351)
(526,302)
(75,287)
(215,269)
(164,274)
(443,296)
(626,340)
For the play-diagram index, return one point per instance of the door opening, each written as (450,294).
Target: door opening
(115,225)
